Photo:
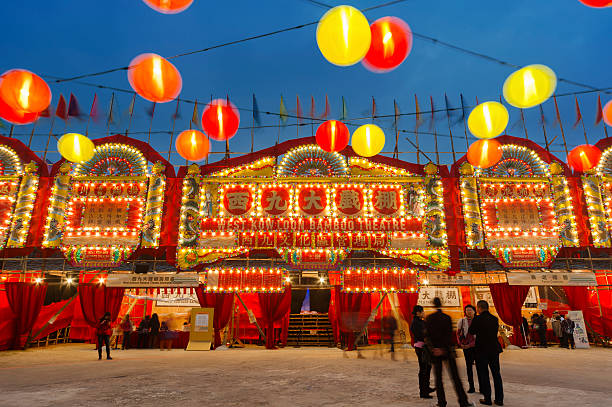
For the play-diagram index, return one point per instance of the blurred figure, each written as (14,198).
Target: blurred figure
(165,337)
(389,328)
(186,327)
(485,327)
(555,323)
(126,327)
(467,342)
(542,330)
(417,330)
(567,326)
(525,327)
(154,331)
(103,330)
(438,335)
(143,332)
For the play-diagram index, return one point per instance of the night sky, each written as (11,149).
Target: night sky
(69,37)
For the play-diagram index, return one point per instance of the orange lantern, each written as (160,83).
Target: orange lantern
(596,3)
(192,145)
(154,78)
(16,116)
(220,120)
(332,135)
(584,157)
(607,113)
(24,91)
(168,6)
(391,44)
(484,153)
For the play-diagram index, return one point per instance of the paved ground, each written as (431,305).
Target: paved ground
(71,375)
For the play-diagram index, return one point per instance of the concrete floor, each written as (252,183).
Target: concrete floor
(71,375)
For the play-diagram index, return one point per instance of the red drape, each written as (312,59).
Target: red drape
(406,302)
(7,321)
(96,299)
(352,312)
(63,312)
(332,315)
(508,300)
(579,298)
(274,308)
(222,303)
(25,300)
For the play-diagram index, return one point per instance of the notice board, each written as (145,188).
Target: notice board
(202,332)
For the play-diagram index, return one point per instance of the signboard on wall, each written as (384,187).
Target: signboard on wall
(580,332)
(201,334)
(448,295)
(148,280)
(575,278)
(177,300)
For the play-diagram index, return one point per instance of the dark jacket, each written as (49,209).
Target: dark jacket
(486,326)
(439,330)
(417,328)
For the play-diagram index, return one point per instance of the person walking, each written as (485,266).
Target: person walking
(485,327)
(126,327)
(438,336)
(103,330)
(417,330)
(567,326)
(467,341)
(389,328)
(555,323)
(143,332)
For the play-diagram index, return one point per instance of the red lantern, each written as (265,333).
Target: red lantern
(607,113)
(168,6)
(596,3)
(391,44)
(24,91)
(332,135)
(192,145)
(584,157)
(484,153)
(220,120)
(154,78)
(16,116)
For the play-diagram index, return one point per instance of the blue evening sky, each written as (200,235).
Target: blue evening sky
(70,37)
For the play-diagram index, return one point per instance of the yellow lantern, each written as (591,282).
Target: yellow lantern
(530,86)
(368,140)
(488,120)
(75,147)
(344,35)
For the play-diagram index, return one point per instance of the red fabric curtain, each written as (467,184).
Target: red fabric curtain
(508,300)
(332,315)
(274,308)
(406,302)
(25,300)
(222,303)
(579,298)
(96,299)
(63,312)
(352,312)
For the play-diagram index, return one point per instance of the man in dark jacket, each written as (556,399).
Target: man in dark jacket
(439,333)
(486,326)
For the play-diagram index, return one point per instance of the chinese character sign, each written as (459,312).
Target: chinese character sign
(349,200)
(312,201)
(238,201)
(275,201)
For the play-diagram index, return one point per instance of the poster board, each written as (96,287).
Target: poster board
(580,332)
(201,332)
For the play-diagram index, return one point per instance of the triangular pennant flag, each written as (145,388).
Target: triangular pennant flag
(326,112)
(431,123)
(73,107)
(599,116)
(46,112)
(282,111)
(94,112)
(417,116)
(578,114)
(344,115)
(111,111)
(256,115)
(543,120)
(61,110)
(194,115)
(312,107)
(373,108)
(558,115)
(298,110)
(397,111)
(177,112)
(131,106)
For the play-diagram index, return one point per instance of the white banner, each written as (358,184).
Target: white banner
(445,279)
(580,331)
(448,295)
(575,278)
(148,280)
(177,300)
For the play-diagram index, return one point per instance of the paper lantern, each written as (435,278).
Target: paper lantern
(220,120)
(154,78)
(530,86)
(16,116)
(169,6)
(488,120)
(368,140)
(192,145)
(484,153)
(332,135)
(391,44)
(75,147)
(607,113)
(343,35)
(584,157)
(24,91)
(596,3)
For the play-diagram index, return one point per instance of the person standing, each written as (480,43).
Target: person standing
(103,330)
(438,335)
(541,322)
(417,329)
(389,328)
(555,323)
(567,326)
(126,327)
(154,331)
(485,327)
(467,341)
(143,332)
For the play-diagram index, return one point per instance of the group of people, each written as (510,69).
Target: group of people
(150,332)
(562,328)
(476,335)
